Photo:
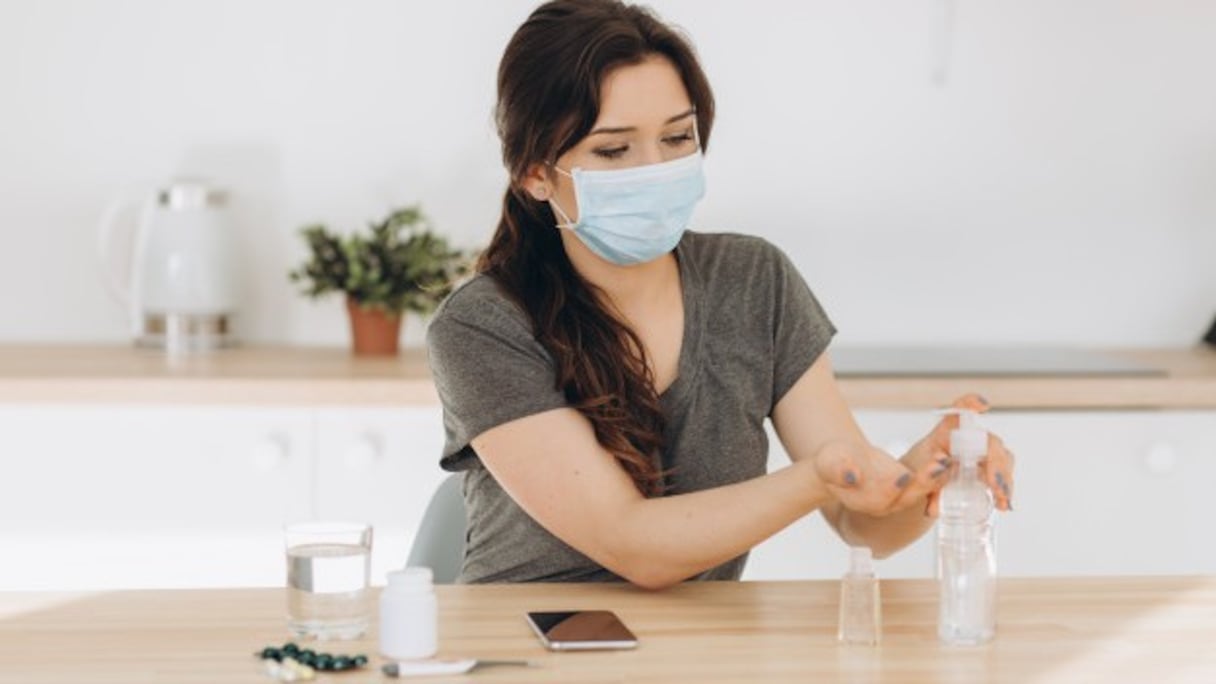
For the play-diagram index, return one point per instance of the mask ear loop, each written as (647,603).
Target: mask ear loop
(565,222)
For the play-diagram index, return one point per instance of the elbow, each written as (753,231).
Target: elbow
(651,578)
(635,559)
(645,572)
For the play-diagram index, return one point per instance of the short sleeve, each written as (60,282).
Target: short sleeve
(489,370)
(801,328)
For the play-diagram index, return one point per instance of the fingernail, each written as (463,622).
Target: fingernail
(983,399)
(944,461)
(1004,485)
(936,472)
(850,478)
(903,480)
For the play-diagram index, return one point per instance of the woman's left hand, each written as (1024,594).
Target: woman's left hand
(930,462)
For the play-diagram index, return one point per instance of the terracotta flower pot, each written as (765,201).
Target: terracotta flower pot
(374,332)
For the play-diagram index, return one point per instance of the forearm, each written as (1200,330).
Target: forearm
(884,535)
(663,541)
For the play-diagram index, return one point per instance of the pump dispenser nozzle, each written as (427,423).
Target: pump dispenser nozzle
(969,442)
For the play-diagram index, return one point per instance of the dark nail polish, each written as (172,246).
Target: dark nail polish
(936,472)
(850,478)
(983,399)
(903,480)
(1003,484)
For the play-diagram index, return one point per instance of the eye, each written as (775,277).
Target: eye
(612,152)
(680,139)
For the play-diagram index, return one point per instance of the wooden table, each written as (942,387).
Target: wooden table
(1160,630)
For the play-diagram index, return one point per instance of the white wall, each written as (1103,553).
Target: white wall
(1058,187)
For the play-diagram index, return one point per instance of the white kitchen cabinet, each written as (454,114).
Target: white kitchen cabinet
(379,465)
(109,496)
(127,496)
(112,496)
(1098,493)
(1110,493)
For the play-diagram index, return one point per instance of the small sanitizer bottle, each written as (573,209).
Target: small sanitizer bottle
(860,603)
(966,561)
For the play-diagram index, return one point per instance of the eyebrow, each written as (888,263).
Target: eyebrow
(627,129)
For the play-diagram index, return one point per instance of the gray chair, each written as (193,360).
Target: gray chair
(439,544)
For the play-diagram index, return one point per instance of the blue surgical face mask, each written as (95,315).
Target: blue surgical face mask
(631,216)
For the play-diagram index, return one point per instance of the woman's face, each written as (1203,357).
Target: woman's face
(646,117)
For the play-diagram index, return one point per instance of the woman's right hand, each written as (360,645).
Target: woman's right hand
(863,478)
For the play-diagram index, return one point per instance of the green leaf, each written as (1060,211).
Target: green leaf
(398,264)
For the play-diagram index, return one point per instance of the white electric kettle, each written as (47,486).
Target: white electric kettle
(180,281)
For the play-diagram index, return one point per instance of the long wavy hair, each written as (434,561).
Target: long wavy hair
(549,86)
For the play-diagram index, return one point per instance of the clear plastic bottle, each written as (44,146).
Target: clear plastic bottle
(966,559)
(409,615)
(860,602)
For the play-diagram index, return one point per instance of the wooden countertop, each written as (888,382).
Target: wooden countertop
(1049,630)
(310,376)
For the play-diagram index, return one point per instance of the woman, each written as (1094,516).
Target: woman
(606,375)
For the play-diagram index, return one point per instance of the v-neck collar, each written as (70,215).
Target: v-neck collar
(690,344)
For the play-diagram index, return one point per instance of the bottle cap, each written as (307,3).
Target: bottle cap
(411,578)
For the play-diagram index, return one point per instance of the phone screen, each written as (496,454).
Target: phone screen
(581,629)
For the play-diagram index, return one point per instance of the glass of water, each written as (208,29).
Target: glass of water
(328,564)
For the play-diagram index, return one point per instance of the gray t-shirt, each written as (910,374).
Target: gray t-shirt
(752,327)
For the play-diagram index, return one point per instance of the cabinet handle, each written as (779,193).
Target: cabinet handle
(269,453)
(362,453)
(1161,459)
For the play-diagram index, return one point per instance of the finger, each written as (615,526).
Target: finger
(933,505)
(998,472)
(880,481)
(892,474)
(882,471)
(838,466)
(928,478)
(973,401)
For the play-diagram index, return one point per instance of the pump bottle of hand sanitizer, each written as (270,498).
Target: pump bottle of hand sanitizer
(966,562)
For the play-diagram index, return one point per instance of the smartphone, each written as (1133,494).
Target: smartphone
(581,630)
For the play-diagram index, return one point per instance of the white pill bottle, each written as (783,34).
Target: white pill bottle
(409,615)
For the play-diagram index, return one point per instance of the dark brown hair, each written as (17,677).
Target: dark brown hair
(549,86)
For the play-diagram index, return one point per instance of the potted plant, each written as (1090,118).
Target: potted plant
(400,265)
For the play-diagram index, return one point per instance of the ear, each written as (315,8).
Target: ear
(536,183)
